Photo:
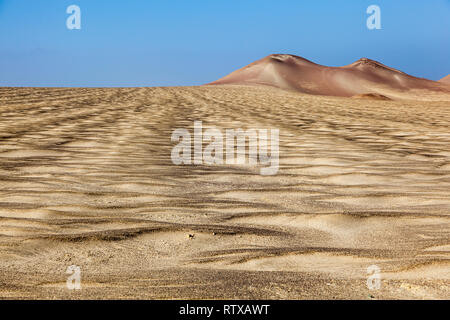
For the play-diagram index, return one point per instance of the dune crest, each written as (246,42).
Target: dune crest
(291,72)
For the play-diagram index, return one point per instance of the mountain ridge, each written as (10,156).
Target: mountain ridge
(291,72)
(445,79)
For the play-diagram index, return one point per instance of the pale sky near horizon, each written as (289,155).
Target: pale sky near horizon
(182,42)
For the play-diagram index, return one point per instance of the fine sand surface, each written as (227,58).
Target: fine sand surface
(86,179)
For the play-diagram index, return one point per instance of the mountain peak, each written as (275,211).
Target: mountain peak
(372,63)
(367,60)
(281,57)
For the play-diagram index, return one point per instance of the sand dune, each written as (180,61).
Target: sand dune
(86,179)
(364,76)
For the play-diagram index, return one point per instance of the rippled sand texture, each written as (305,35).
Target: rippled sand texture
(86,179)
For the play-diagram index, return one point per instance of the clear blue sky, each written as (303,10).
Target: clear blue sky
(191,42)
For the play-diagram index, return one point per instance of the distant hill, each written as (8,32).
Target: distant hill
(445,79)
(364,76)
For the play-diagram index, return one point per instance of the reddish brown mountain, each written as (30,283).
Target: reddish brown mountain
(361,77)
(445,79)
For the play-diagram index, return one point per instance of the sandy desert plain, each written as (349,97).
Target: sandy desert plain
(86,179)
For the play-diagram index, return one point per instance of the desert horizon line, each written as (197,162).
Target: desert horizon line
(444,79)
